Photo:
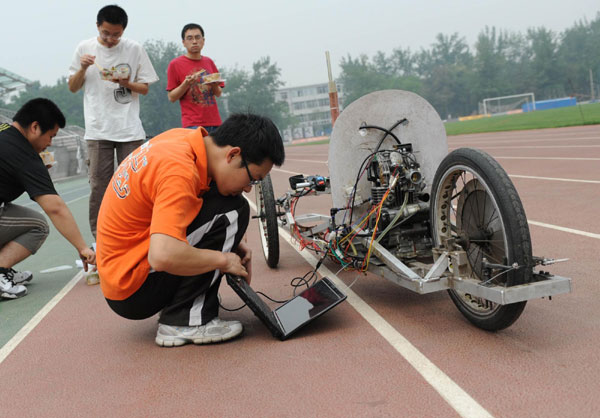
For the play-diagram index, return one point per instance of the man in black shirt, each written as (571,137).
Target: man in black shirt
(23,230)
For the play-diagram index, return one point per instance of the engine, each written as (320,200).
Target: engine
(397,186)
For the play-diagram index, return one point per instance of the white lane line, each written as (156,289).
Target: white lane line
(535,146)
(554,179)
(497,157)
(33,322)
(510,175)
(77,198)
(39,209)
(563,229)
(37,318)
(547,158)
(311,155)
(523,139)
(305,161)
(456,397)
(558,228)
(57,268)
(285,171)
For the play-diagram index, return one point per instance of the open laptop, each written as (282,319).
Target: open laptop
(295,313)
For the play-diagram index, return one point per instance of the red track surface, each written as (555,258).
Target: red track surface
(83,360)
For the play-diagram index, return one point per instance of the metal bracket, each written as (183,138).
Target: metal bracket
(450,271)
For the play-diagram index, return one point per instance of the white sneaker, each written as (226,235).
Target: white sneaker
(215,331)
(8,289)
(21,277)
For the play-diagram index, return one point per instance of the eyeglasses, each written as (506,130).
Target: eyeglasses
(106,35)
(252,181)
(191,38)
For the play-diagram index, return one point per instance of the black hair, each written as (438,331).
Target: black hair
(42,111)
(191,26)
(257,136)
(112,14)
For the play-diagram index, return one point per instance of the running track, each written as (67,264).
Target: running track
(386,352)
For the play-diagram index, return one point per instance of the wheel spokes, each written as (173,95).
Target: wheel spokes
(474,220)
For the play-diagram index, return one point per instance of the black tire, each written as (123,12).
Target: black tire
(267,221)
(474,202)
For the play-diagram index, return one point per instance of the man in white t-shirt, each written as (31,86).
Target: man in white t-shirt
(113,71)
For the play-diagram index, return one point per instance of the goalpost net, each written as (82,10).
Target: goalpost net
(515,103)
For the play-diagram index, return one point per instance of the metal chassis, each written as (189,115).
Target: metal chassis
(448,271)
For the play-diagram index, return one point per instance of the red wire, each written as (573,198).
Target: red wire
(303,243)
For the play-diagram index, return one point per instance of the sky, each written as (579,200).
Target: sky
(40,36)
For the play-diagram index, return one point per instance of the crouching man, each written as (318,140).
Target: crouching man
(172,221)
(24,230)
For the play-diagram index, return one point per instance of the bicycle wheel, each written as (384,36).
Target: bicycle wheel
(267,221)
(475,205)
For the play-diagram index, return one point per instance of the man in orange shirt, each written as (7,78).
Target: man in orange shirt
(172,222)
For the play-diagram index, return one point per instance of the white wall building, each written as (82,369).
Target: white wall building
(310,106)
(11,84)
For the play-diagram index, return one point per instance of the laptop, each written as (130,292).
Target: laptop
(296,312)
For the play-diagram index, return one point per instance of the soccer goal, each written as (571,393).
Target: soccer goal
(515,103)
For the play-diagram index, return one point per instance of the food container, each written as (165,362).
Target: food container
(212,78)
(114,73)
(106,74)
(48,158)
(121,72)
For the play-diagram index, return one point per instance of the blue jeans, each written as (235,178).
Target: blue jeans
(209,129)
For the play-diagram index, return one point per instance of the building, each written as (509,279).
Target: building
(11,84)
(310,107)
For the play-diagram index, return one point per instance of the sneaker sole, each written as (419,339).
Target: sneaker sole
(11,295)
(17,278)
(178,342)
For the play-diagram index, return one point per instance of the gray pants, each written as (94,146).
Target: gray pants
(22,225)
(101,160)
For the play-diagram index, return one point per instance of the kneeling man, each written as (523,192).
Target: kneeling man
(23,230)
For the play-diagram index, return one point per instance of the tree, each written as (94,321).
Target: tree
(255,92)
(70,104)
(403,62)
(517,70)
(447,75)
(158,114)
(452,79)
(490,64)
(544,63)
(578,54)
(361,77)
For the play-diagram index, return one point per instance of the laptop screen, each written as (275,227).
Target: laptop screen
(309,304)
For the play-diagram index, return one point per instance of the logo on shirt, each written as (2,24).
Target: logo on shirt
(201,93)
(122,94)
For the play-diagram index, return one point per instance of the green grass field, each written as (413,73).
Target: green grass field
(587,114)
(322,141)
